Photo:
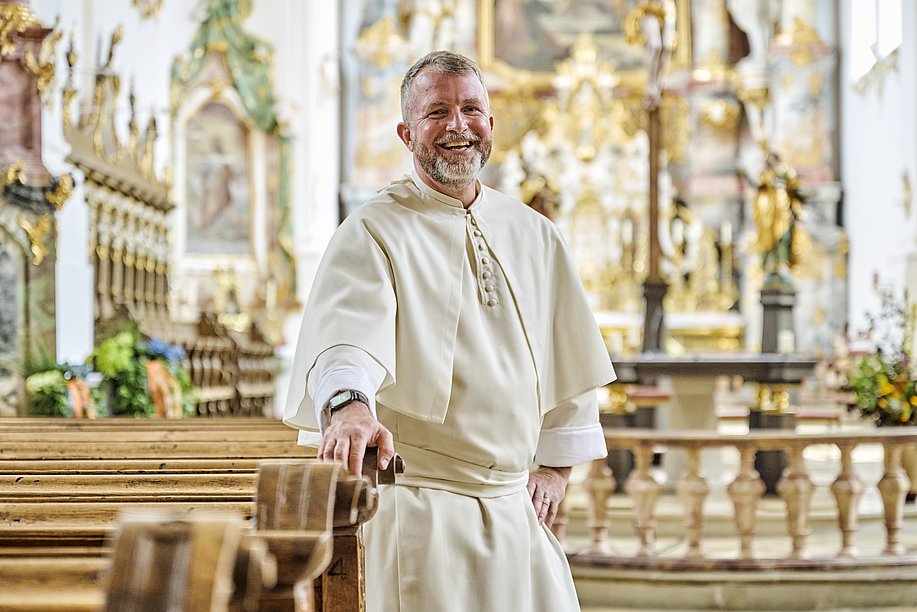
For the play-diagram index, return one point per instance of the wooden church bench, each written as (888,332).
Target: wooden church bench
(82,528)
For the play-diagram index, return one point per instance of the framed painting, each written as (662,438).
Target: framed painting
(526,38)
(217,185)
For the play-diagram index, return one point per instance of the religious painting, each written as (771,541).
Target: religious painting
(530,36)
(217,183)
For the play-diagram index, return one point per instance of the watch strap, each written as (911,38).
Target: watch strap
(344,398)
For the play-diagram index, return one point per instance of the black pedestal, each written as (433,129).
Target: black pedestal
(654,316)
(771,463)
(777,319)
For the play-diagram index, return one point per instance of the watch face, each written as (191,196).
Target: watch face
(339,399)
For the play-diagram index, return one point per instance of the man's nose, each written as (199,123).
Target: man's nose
(457,122)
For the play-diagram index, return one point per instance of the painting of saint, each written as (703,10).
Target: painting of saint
(217,187)
(533,35)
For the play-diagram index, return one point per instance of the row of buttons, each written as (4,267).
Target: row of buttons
(490,291)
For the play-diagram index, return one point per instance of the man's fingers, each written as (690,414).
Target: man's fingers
(386,447)
(357,450)
(545,507)
(552,514)
(342,450)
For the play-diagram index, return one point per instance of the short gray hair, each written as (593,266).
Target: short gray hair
(444,62)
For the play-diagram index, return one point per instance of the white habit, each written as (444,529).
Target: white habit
(478,324)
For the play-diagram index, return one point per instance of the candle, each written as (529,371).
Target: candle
(627,231)
(678,231)
(726,234)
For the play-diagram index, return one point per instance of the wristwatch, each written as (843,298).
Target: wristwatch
(344,398)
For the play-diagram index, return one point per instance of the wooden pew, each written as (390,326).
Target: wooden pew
(66,514)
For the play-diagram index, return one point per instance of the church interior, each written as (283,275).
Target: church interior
(734,185)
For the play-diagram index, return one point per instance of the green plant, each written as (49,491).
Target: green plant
(884,389)
(125,361)
(59,389)
(884,384)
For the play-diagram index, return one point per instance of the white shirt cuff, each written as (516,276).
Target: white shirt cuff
(569,446)
(309,438)
(340,378)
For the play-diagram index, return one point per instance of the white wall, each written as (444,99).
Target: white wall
(878,144)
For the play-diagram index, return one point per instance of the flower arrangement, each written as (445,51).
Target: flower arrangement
(139,377)
(884,384)
(61,390)
(143,377)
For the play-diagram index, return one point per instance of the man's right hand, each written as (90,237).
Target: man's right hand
(350,431)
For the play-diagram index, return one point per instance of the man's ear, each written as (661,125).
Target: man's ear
(404,133)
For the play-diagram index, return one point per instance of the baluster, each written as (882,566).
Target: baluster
(600,484)
(746,491)
(796,488)
(129,262)
(644,490)
(847,489)
(893,487)
(692,490)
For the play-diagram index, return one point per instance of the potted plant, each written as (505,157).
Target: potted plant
(884,383)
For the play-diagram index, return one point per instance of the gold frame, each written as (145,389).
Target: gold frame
(681,58)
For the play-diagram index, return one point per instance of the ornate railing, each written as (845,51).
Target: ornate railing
(746,491)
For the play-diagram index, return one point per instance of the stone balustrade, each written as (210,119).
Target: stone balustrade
(745,492)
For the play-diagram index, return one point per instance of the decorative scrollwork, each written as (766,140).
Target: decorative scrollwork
(43,66)
(14,19)
(37,233)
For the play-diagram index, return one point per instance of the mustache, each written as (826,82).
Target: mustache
(456,137)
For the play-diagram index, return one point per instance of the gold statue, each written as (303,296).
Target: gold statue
(777,212)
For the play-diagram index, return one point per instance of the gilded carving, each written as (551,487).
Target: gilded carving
(43,66)
(720,113)
(38,234)
(14,19)
(61,192)
(806,45)
(14,174)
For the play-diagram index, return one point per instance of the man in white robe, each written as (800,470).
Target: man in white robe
(447,323)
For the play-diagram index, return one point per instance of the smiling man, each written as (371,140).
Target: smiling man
(447,323)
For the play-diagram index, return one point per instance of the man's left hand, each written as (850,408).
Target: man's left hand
(546,487)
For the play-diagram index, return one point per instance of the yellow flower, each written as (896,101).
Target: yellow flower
(883,403)
(914,400)
(885,387)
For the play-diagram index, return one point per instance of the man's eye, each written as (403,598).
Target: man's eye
(472,109)
(437,113)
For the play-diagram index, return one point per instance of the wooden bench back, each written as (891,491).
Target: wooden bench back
(167,562)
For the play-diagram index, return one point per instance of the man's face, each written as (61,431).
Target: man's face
(450,127)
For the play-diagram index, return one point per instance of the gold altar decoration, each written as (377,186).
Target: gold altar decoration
(43,66)
(581,162)
(721,114)
(14,19)
(804,41)
(38,236)
(128,202)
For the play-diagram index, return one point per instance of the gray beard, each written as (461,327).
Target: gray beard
(452,174)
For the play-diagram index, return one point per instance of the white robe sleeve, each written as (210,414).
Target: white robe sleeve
(571,433)
(344,367)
